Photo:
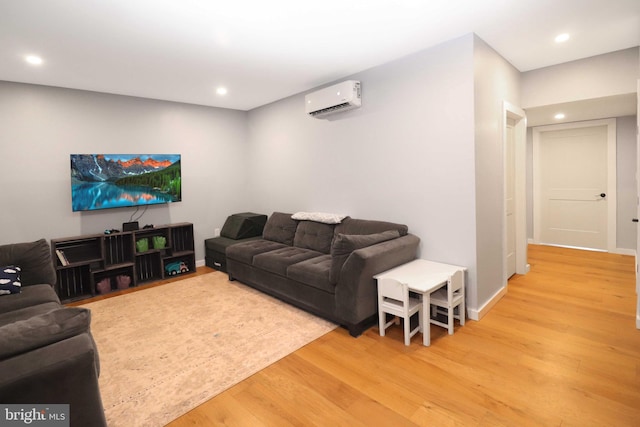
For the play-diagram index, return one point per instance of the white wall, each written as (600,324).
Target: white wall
(496,81)
(600,76)
(408,155)
(627,195)
(42,125)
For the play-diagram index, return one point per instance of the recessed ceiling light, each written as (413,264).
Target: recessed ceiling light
(33,59)
(561,38)
(221,91)
(559,116)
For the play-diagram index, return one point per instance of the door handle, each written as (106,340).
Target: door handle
(634,220)
(602,195)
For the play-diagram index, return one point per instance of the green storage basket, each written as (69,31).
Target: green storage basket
(142,245)
(159,242)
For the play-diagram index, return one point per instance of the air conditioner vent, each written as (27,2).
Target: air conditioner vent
(325,111)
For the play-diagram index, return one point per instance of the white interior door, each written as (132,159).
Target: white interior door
(573,193)
(510,172)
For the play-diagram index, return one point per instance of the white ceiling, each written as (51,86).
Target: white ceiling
(262,51)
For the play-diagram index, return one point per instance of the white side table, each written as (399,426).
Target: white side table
(423,277)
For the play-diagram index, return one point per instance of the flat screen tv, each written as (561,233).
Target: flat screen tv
(103,181)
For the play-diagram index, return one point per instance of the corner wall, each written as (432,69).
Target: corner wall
(495,81)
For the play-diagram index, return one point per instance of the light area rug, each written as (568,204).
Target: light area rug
(167,349)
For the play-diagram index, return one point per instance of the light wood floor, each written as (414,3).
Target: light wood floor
(560,349)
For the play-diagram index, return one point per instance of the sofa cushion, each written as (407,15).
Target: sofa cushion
(30,295)
(344,244)
(10,280)
(245,251)
(314,235)
(220,244)
(365,226)
(279,260)
(313,272)
(280,228)
(43,329)
(34,258)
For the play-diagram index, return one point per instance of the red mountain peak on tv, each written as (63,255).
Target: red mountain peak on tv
(148,163)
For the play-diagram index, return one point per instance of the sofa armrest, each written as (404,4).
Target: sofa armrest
(64,372)
(43,329)
(356,291)
(29,296)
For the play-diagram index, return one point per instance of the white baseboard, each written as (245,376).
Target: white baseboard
(200,263)
(619,251)
(624,251)
(479,314)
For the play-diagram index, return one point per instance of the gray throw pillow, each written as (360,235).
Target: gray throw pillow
(344,244)
(43,329)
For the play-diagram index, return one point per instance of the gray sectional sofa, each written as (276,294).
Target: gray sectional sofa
(324,268)
(47,353)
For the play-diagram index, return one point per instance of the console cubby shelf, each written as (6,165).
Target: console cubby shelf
(100,263)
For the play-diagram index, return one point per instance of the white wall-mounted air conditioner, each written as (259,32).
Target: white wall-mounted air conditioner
(333,99)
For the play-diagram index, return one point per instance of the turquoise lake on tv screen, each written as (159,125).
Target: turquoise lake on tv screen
(105,195)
